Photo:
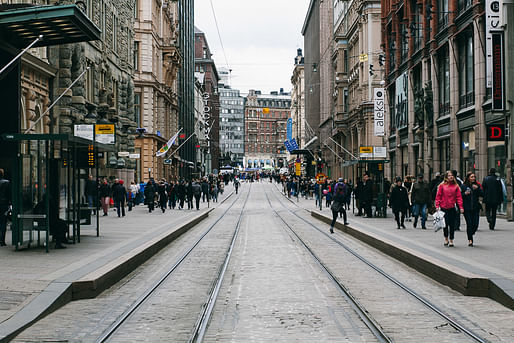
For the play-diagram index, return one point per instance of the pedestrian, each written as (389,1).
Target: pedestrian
(150,195)
(197,193)
(189,194)
(205,190)
(493,196)
(90,191)
(214,192)
(133,193)
(407,183)
(181,193)
(447,199)
(420,198)
(163,195)
(366,196)
(105,192)
(5,203)
(399,202)
(348,195)
(336,207)
(119,195)
(471,190)
(459,182)
(236,184)
(356,194)
(170,189)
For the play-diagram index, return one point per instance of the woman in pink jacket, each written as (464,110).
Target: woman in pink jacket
(448,197)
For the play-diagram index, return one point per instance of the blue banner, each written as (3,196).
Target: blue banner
(288,145)
(294,145)
(289,129)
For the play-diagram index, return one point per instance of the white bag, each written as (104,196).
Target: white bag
(439,222)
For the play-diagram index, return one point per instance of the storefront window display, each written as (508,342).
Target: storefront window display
(497,158)
(468,152)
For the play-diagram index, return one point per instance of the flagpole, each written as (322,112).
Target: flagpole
(188,138)
(40,37)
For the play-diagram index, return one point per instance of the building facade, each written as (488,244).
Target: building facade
(298,100)
(440,105)
(232,133)
(156,64)
(206,68)
(265,129)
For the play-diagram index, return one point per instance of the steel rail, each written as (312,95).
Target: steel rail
(453,322)
(201,325)
(125,315)
(375,329)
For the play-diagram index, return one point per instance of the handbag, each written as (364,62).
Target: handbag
(439,222)
(335,207)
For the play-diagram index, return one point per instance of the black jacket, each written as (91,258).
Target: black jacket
(471,202)
(399,199)
(366,194)
(104,190)
(493,192)
(119,193)
(420,193)
(5,192)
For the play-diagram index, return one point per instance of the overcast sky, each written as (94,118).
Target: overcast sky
(260,38)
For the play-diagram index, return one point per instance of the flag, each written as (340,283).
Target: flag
(167,146)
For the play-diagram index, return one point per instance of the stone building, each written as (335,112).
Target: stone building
(298,100)
(204,64)
(156,63)
(440,104)
(265,128)
(202,113)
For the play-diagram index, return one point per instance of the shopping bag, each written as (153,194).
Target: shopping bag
(439,222)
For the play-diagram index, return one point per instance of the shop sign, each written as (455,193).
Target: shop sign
(135,156)
(84,131)
(378,110)
(104,133)
(498,89)
(379,151)
(366,151)
(493,23)
(123,154)
(289,128)
(496,133)
(298,169)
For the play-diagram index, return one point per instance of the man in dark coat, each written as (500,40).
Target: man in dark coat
(90,191)
(205,190)
(150,195)
(493,196)
(357,194)
(399,202)
(197,193)
(366,196)
(119,195)
(420,198)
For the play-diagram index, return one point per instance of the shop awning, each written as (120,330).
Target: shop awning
(56,137)
(60,24)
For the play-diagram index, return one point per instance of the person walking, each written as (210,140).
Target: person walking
(357,194)
(336,207)
(205,190)
(181,193)
(214,192)
(170,189)
(493,196)
(399,202)
(105,192)
(366,196)
(150,195)
(236,184)
(420,198)
(134,190)
(471,191)
(189,194)
(90,191)
(163,195)
(197,193)
(447,199)
(407,183)
(119,195)
(5,202)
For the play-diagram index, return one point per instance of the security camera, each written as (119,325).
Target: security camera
(141,131)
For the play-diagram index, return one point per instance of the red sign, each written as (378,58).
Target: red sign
(198,145)
(496,133)
(182,136)
(498,89)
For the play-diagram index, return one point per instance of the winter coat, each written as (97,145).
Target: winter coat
(420,193)
(119,193)
(471,202)
(366,195)
(150,192)
(399,199)
(493,192)
(448,195)
(105,190)
(197,190)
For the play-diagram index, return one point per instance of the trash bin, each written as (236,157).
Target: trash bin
(381,205)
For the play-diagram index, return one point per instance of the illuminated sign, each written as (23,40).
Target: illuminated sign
(496,133)
(91,155)
(378,110)
(498,90)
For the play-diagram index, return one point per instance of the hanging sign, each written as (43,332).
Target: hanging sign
(498,87)
(378,106)
(84,131)
(493,23)
(104,133)
(289,128)
(496,133)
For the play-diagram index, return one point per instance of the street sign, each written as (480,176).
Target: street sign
(298,169)
(320,178)
(366,151)
(363,57)
(104,133)
(167,161)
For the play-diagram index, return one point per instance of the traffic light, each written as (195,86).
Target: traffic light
(429,12)
(371,71)
(381,59)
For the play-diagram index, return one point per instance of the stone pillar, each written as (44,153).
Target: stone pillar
(455,146)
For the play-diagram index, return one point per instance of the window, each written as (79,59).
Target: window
(114,33)
(137,109)
(466,72)
(136,9)
(442,12)
(205,52)
(444,82)
(416,26)
(90,82)
(136,56)
(464,5)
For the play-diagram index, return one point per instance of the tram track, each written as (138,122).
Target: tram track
(199,327)
(424,301)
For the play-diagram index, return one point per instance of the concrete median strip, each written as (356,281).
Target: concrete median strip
(59,293)
(463,281)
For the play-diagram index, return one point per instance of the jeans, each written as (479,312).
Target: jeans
(120,207)
(449,219)
(472,219)
(416,209)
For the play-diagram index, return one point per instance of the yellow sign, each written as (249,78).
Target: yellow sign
(366,149)
(320,177)
(265,110)
(298,168)
(104,129)
(363,57)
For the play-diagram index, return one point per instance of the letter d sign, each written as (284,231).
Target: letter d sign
(496,133)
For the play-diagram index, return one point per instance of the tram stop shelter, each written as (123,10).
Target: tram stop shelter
(43,167)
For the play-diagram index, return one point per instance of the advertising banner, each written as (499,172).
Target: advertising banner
(104,133)
(378,111)
(289,129)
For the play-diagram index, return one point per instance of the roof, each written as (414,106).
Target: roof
(58,24)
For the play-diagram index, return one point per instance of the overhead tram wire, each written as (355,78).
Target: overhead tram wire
(219,35)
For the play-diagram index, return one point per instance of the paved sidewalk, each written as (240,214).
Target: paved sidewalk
(34,283)
(486,269)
